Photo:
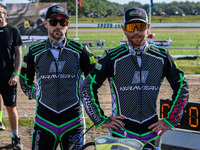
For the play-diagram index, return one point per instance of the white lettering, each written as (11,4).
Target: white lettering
(132,88)
(54,76)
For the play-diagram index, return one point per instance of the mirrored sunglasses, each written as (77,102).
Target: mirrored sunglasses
(141,26)
(53,22)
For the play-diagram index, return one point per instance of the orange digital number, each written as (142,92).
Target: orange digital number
(164,105)
(197,117)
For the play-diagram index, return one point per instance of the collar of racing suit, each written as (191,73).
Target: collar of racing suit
(134,50)
(59,45)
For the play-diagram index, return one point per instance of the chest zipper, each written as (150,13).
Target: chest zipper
(141,103)
(57,83)
(56,64)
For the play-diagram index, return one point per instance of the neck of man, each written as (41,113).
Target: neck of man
(56,40)
(136,46)
(60,44)
(136,49)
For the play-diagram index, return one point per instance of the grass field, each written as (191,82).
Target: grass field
(179,39)
(119,19)
(185,39)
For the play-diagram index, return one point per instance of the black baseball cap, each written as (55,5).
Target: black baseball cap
(137,14)
(56,9)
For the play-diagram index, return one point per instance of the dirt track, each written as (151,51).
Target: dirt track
(27,107)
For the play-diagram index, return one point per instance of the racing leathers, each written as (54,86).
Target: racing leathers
(135,78)
(59,114)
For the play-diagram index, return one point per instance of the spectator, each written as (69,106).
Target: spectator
(2,127)
(10,42)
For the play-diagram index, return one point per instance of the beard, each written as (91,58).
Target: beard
(56,35)
(137,43)
(1,20)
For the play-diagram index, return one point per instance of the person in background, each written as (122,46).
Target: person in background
(135,72)
(2,127)
(58,63)
(10,62)
(40,22)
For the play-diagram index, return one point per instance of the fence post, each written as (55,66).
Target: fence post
(198,52)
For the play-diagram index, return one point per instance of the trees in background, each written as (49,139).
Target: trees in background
(102,8)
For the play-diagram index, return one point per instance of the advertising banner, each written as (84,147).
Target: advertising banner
(28,18)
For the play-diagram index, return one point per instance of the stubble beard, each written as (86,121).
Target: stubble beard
(138,43)
(57,36)
(1,20)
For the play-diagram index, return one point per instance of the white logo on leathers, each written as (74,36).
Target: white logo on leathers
(137,78)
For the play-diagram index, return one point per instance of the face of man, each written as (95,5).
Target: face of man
(3,15)
(136,37)
(57,27)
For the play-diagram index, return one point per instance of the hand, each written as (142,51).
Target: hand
(31,29)
(13,81)
(159,127)
(113,124)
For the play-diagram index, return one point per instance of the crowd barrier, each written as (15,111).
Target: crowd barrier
(97,47)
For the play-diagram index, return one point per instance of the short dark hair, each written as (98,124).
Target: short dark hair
(3,6)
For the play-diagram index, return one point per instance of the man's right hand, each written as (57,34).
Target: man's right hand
(114,124)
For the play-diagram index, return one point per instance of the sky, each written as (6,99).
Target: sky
(117,1)
(14,1)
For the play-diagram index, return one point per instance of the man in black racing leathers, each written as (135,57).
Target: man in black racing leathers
(135,72)
(58,63)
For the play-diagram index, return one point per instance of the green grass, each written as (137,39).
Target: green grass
(184,39)
(154,19)
(181,19)
(179,39)
(111,39)
(109,19)
(23,121)
(182,51)
(190,69)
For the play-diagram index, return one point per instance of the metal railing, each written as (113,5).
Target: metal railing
(98,51)
(198,52)
(97,48)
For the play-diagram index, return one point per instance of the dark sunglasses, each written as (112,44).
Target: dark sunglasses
(53,22)
(141,26)
(1,12)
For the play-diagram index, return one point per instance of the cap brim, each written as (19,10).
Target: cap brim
(59,14)
(136,19)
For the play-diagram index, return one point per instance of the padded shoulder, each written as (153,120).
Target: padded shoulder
(75,45)
(158,50)
(34,49)
(118,51)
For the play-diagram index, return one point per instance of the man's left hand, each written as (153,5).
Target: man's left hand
(159,127)
(13,81)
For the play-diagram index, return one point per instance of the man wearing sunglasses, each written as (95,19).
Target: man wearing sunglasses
(135,72)
(58,63)
(10,62)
